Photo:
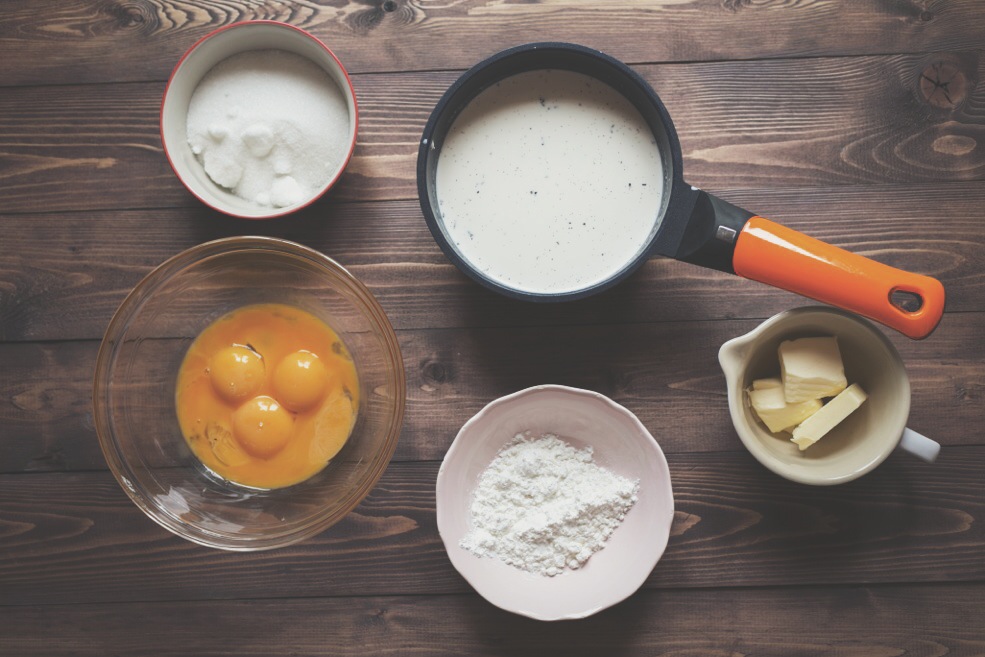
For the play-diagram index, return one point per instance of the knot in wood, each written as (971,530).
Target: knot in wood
(367,19)
(129,14)
(943,84)
(434,373)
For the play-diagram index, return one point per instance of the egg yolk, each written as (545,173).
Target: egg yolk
(237,373)
(300,380)
(262,426)
(332,426)
(245,427)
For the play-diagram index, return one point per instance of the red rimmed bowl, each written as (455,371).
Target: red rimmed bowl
(205,55)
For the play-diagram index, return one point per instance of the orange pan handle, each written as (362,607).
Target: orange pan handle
(773,254)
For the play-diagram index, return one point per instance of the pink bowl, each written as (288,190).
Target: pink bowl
(621,444)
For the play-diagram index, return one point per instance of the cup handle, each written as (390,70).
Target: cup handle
(920,445)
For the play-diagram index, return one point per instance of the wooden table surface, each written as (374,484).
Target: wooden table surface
(861,122)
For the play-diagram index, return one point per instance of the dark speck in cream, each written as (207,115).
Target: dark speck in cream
(594,146)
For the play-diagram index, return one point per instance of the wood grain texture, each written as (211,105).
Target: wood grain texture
(860,122)
(73,538)
(116,40)
(860,621)
(743,125)
(667,374)
(63,276)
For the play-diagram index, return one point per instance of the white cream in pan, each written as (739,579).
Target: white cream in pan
(549,182)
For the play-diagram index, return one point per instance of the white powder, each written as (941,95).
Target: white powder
(542,505)
(270,126)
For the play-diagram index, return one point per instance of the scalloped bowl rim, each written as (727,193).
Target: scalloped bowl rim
(655,526)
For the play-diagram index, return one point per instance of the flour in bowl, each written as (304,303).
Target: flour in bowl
(543,505)
(270,126)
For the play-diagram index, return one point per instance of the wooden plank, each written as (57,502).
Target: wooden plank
(861,621)
(70,538)
(84,41)
(64,275)
(762,124)
(667,379)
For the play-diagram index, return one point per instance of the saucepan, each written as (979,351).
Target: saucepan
(551,172)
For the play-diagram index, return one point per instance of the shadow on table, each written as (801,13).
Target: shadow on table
(613,632)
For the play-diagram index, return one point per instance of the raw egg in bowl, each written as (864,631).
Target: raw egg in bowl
(249,393)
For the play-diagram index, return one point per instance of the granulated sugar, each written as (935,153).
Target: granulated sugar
(543,505)
(270,126)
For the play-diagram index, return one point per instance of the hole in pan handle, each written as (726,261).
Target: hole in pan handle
(722,236)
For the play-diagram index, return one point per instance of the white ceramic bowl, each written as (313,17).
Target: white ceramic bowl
(199,60)
(621,444)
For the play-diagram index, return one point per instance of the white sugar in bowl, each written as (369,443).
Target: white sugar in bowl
(259,119)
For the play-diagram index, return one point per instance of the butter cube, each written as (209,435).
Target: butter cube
(831,414)
(762,384)
(811,368)
(771,407)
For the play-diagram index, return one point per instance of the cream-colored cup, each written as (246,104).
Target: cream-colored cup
(865,438)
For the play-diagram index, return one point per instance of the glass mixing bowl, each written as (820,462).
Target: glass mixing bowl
(134,392)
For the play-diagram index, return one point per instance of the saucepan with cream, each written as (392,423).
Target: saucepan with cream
(551,172)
